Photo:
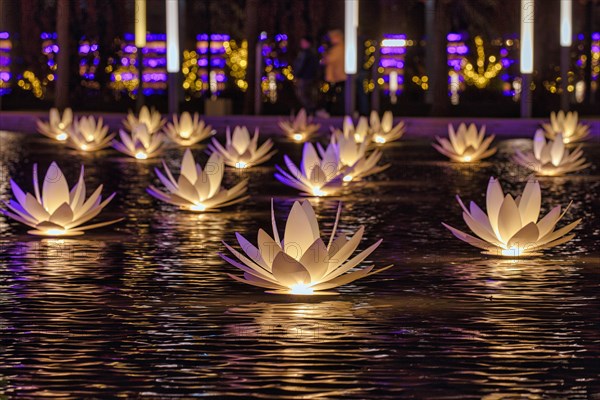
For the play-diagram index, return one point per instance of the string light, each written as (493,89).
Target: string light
(479,75)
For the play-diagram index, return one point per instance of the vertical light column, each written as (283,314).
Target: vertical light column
(173,63)
(566,38)
(350,52)
(526,61)
(140,43)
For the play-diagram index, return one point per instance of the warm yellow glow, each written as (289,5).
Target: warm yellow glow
(140,155)
(512,252)
(301,288)
(90,138)
(83,147)
(467,158)
(298,137)
(56,232)
(379,139)
(566,140)
(62,136)
(185,134)
(318,192)
(357,137)
(241,164)
(347,178)
(198,207)
(61,125)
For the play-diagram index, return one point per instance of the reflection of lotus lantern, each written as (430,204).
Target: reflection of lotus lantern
(317,176)
(151,118)
(186,131)
(140,144)
(242,151)
(302,263)
(299,129)
(198,189)
(384,131)
(56,127)
(56,210)
(466,144)
(566,124)
(511,227)
(551,158)
(87,134)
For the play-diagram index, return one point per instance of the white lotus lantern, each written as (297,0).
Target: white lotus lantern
(242,151)
(511,227)
(56,210)
(140,144)
(198,189)
(151,118)
(186,131)
(89,134)
(384,131)
(567,124)
(57,125)
(299,129)
(360,133)
(551,158)
(354,159)
(466,144)
(317,176)
(301,263)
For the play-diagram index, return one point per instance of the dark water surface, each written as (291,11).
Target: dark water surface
(145,309)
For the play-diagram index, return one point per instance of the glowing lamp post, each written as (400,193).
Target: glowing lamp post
(173,54)
(565,48)
(350,52)
(140,43)
(527,18)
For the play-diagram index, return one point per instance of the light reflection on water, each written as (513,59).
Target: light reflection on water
(145,308)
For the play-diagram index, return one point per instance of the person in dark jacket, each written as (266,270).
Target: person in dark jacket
(305,70)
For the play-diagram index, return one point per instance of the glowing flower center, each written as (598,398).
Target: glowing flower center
(89,138)
(83,147)
(185,134)
(347,178)
(467,158)
(61,136)
(298,137)
(379,139)
(513,252)
(566,140)
(318,192)
(61,125)
(56,232)
(301,288)
(241,164)
(198,207)
(140,155)
(357,138)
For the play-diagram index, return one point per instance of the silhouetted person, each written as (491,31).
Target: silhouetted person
(306,67)
(334,72)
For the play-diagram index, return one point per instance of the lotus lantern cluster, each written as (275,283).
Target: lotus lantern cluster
(241,150)
(89,134)
(198,189)
(302,263)
(354,160)
(140,144)
(56,210)
(568,125)
(551,158)
(384,130)
(57,126)
(187,131)
(150,118)
(466,144)
(511,227)
(299,129)
(317,175)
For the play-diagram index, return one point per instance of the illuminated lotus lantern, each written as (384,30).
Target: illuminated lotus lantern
(299,129)
(466,144)
(354,159)
(56,210)
(384,131)
(301,263)
(359,134)
(57,125)
(198,189)
(566,124)
(89,134)
(241,150)
(151,118)
(140,144)
(317,176)
(187,131)
(551,158)
(511,227)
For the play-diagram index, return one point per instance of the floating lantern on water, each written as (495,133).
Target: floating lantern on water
(511,227)
(384,131)
(87,134)
(302,263)
(240,150)
(567,124)
(317,176)
(198,189)
(56,210)
(359,134)
(354,159)
(299,129)
(151,118)
(57,125)
(466,144)
(140,144)
(551,158)
(187,131)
